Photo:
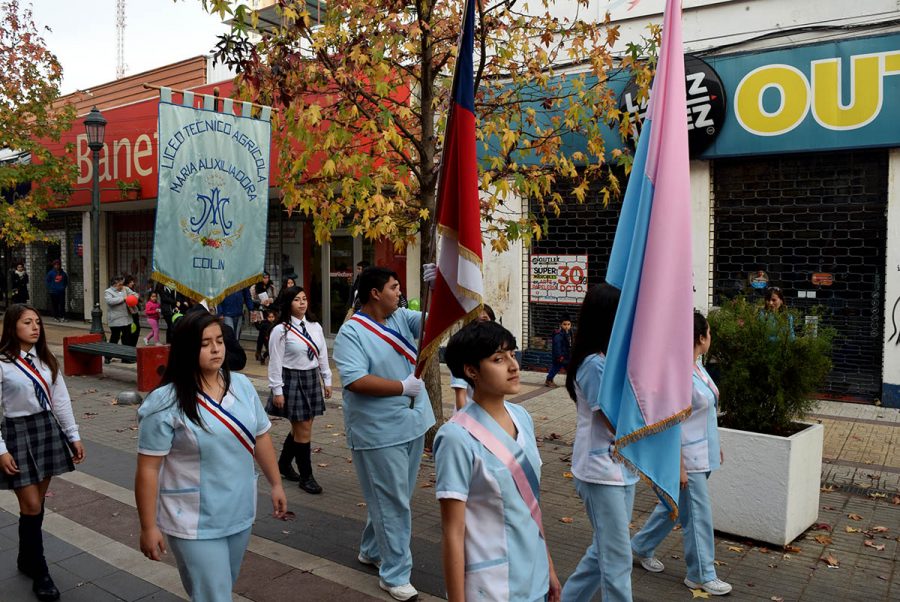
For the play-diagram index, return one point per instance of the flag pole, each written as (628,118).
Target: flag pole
(430,252)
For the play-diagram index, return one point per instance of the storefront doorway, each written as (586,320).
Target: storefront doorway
(338,261)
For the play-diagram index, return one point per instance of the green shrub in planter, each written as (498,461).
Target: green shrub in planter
(767,366)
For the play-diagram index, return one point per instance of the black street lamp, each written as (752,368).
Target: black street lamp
(95,126)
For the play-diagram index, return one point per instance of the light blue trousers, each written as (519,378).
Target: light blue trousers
(387,477)
(695,516)
(606,565)
(209,567)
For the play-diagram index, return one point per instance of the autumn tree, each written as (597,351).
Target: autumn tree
(363,89)
(31,179)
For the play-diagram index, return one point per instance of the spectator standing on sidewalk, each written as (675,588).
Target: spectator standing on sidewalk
(605,485)
(57,281)
(168,297)
(299,374)
(40,436)
(134,332)
(263,295)
(151,310)
(561,349)
(117,314)
(701,453)
(386,414)
(478,456)
(19,290)
(199,433)
(232,309)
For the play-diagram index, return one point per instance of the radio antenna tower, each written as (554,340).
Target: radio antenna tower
(120,39)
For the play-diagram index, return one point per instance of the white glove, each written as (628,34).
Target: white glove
(429,273)
(412,386)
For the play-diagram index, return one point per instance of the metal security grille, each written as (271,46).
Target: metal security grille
(798,215)
(131,247)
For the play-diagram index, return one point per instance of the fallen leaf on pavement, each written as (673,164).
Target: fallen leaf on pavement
(736,549)
(827,489)
(552,437)
(720,563)
(567,520)
(360,504)
(676,557)
(773,566)
(854,516)
(878,529)
(822,527)
(883,577)
(567,475)
(776,599)
(764,550)
(877,496)
(831,561)
(824,539)
(871,544)
(792,549)
(699,593)
(317,450)
(322,465)
(850,529)
(828,508)
(329,426)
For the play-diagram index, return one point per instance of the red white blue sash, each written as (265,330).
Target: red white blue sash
(309,342)
(237,428)
(389,336)
(35,376)
(706,380)
(528,488)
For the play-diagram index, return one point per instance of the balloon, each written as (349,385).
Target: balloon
(134,328)
(131,300)
(415,304)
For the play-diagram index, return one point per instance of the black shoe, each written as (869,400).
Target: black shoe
(45,589)
(309,485)
(258,357)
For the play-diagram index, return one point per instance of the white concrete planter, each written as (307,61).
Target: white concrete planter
(768,488)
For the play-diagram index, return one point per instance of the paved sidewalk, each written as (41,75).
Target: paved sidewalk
(317,551)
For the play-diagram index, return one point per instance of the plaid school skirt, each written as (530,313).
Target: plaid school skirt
(38,446)
(303,397)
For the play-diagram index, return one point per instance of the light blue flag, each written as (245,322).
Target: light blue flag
(212,210)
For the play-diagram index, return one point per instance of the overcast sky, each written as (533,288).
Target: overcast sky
(157,33)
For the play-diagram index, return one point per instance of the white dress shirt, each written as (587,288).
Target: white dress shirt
(18,399)
(286,350)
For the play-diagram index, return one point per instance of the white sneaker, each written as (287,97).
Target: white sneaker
(716,587)
(652,564)
(145,342)
(399,592)
(368,561)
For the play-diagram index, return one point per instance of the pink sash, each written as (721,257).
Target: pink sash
(493,445)
(706,380)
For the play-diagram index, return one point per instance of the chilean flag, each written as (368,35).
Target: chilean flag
(646,388)
(457,293)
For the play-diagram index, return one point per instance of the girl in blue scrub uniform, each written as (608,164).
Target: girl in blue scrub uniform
(493,545)
(700,454)
(605,485)
(199,434)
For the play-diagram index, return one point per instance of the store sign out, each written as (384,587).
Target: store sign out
(120,159)
(558,278)
(829,96)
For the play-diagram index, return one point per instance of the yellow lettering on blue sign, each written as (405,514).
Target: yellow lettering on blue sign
(825,96)
(793,90)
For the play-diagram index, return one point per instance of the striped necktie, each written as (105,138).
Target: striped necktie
(38,390)
(309,350)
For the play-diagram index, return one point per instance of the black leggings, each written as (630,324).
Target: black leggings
(118,332)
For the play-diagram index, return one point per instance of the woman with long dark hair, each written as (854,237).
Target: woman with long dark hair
(40,437)
(606,486)
(199,433)
(300,379)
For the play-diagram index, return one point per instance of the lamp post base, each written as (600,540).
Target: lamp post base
(96,321)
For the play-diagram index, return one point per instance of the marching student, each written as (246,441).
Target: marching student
(488,479)
(298,367)
(40,437)
(701,453)
(605,485)
(386,415)
(461,389)
(199,433)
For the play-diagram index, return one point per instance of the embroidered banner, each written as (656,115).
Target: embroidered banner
(211,214)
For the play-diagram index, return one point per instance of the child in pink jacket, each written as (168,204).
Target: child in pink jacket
(151,311)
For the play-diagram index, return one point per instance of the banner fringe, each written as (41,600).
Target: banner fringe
(429,350)
(463,251)
(194,295)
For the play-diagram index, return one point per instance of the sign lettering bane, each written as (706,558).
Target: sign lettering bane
(558,278)
(213,199)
